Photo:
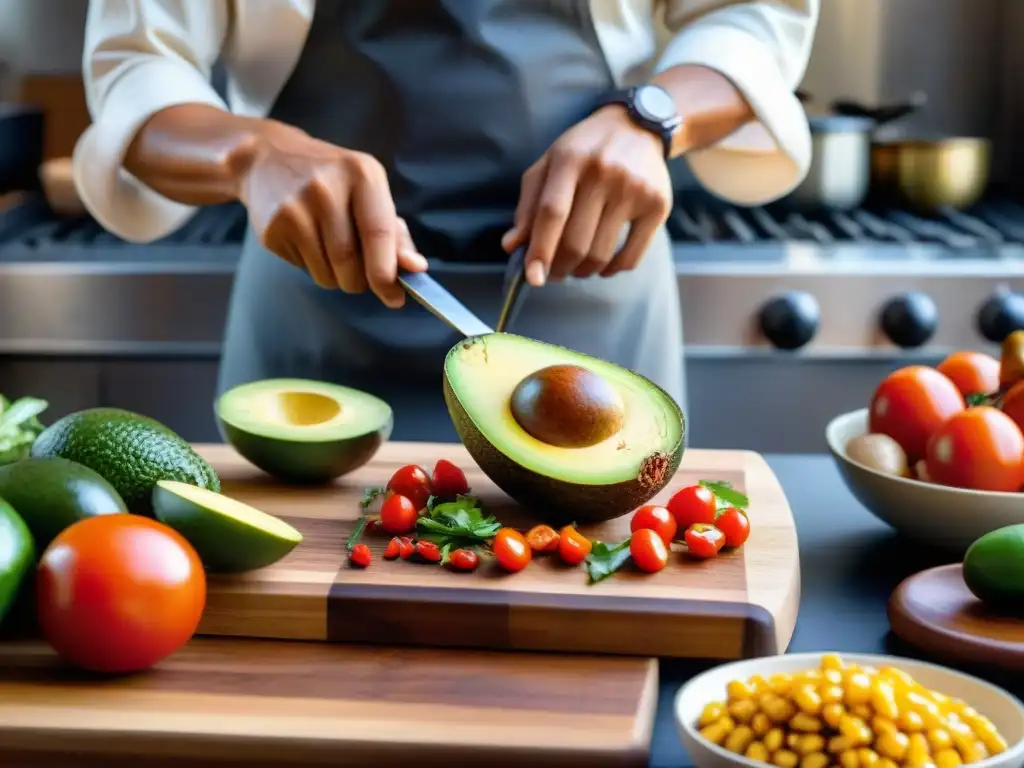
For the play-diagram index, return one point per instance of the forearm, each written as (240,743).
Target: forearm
(195,154)
(711,106)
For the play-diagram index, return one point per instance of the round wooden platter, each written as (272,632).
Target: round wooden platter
(934,611)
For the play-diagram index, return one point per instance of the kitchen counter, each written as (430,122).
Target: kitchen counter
(850,563)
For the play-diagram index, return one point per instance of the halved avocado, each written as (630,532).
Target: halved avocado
(228,535)
(602,439)
(302,431)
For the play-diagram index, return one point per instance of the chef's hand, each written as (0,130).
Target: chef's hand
(329,211)
(602,174)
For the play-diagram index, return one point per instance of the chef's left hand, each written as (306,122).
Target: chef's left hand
(602,174)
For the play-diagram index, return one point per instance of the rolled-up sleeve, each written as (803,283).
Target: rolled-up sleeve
(763,48)
(140,57)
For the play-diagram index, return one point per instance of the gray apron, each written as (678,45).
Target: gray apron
(456,98)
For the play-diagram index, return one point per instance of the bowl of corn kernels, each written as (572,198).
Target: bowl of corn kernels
(812,710)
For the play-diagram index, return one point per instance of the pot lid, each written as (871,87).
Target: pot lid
(840,124)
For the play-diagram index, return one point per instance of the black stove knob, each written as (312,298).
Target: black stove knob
(1000,315)
(790,320)
(910,319)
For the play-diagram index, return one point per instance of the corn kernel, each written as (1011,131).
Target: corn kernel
(715,733)
(863,711)
(757,751)
(947,758)
(814,760)
(858,689)
(910,721)
(893,745)
(832,694)
(758,684)
(882,725)
(805,722)
(832,677)
(885,762)
(839,744)
(778,709)
(831,713)
(831,661)
(760,724)
(971,751)
(855,729)
(738,741)
(993,741)
(868,757)
(784,758)
(939,739)
(848,759)
(807,699)
(900,678)
(808,743)
(918,752)
(743,710)
(773,739)
(711,713)
(739,690)
(883,699)
(780,683)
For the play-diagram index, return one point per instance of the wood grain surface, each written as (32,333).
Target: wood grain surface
(258,704)
(742,604)
(934,611)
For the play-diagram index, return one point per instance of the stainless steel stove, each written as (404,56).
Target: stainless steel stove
(789,318)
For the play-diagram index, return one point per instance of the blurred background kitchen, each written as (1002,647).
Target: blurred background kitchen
(905,242)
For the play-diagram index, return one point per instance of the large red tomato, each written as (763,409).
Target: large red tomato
(118,593)
(910,404)
(980,448)
(973,373)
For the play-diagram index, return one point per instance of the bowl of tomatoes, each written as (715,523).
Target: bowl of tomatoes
(938,454)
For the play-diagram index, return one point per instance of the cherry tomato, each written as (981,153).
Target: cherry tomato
(448,480)
(398,514)
(463,559)
(691,505)
(393,549)
(980,448)
(542,538)
(657,519)
(428,551)
(973,373)
(511,550)
(118,593)
(648,550)
(911,404)
(360,556)
(734,525)
(704,541)
(1013,403)
(406,549)
(413,482)
(573,546)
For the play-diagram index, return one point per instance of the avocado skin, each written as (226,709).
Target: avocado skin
(128,450)
(994,569)
(17,556)
(53,493)
(555,501)
(306,463)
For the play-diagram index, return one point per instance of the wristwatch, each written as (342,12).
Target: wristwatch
(652,108)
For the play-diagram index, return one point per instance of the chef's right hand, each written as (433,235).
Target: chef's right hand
(329,211)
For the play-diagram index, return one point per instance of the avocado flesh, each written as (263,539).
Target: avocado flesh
(129,450)
(303,431)
(587,484)
(228,535)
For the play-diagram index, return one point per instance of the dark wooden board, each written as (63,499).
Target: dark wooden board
(935,611)
(267,703)
(741,604)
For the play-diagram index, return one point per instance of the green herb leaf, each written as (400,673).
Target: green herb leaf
(370,495)
(726,495)
(605,559)
(445,552)
(357,533)
(977,399)
(459,523)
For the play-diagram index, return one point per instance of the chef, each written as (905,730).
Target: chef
(369,136)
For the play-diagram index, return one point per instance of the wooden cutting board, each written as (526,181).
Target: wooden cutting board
(259,703)
(742,604)
(935,611)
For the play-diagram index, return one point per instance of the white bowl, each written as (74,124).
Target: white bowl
(952,518)
(1003,709)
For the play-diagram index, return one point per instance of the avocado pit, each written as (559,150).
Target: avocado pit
(301,409)
(567,406)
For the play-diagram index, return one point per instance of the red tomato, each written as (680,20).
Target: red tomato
(657,519)
(413,482)
(428,551)
(406,549)
(911,404)
(118,593)
(704,541)
(542,538)
(691,505)
(973,373)
(360,556)
(511,550)
(573,546)
(448,481)
(398,514)
(393,549)
(648,550)
(1013,404)
(463,559)
(980,448)
(734,525)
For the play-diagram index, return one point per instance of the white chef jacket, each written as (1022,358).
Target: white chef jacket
(142,56)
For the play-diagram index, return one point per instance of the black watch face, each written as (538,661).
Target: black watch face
(654,103)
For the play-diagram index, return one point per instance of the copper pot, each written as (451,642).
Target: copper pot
(931,174)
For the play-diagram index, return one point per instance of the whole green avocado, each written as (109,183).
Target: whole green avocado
(994,569)
(130,451)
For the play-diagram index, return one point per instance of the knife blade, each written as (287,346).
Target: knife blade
(440,302)
(512,288)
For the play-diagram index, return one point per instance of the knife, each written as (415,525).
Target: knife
(440,302)
(512,288)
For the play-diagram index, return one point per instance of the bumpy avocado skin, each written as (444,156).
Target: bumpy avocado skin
(132,452)
(555,501)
